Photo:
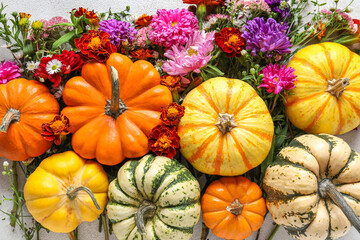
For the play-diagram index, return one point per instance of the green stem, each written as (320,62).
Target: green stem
(72,194)
(274,103)
(106,230)
(16,199)
(273,232)
(146,210)
(72,235)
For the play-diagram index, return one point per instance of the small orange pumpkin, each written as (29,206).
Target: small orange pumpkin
(24,106)
(108,125)
(233,207)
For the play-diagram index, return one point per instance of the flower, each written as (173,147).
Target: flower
(342,16)
(24,22)
(164,141)
(205,2)
(8,71)
(321,30)
(81,11)
(32,66)
(142,53)
(191,57)
(37,25)
(230,41)
(253,5)
(279,6)
(172,27)
(267,37)
(213,19)
(95,45)
(141,37)
(143,21)
(53,130)
(53,66)
(172,82)
(71,61)
(24,15)
(172,114)
(119,31)
(277,78)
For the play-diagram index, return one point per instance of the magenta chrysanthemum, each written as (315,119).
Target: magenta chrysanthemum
(8,71)
(277,78)
(192,57)
(172,27)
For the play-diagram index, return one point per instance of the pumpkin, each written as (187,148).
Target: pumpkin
(110,117)
(327,92)
(233,207)
(24,106)
(154,198)
(52,191)
(227,129)
(313,187)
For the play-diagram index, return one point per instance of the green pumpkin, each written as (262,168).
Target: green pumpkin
(154,198)
(313,187)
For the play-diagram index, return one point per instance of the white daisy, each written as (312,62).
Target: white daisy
(32,66)
(54,66)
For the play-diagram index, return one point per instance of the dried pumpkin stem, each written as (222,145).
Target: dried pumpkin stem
(225,122)
(328,189)
(115,106)
(146,210)
(337,86)
(72,194)
(10,116)
(235,208)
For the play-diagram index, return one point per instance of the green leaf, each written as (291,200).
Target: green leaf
(65,38)
(28,48)
(214,70)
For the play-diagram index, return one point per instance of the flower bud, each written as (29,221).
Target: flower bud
(243,52)
(5,164)
(252,71)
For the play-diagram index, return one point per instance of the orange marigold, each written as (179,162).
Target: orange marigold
(24,15)
(143,21)
(58,127)
(172,82)
(321,30)
(164,141)
(142,53)
(172,114)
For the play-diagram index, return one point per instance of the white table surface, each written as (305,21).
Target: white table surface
(45,9)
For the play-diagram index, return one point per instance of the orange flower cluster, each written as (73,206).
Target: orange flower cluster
(143,21)
(58,127)
(141,53)
(172,82)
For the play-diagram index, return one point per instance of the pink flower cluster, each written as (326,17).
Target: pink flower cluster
(344,16)
(141,37)
(254,5)
(277,78)
(8,71)
(172,27)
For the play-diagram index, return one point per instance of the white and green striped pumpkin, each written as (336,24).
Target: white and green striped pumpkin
(313,187)
(154,198)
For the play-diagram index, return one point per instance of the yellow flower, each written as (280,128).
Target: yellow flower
(24,22)
(37,25)
(24,15)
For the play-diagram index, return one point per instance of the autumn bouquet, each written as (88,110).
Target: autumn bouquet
(157,104)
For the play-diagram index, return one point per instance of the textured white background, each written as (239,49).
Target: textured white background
(41,9)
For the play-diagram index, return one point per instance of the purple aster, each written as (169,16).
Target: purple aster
(277,78)
(279,6)
(191,57)
(119,31)
(8,71)
(267,37)
(172,27)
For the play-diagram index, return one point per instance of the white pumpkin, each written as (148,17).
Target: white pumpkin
(154,198)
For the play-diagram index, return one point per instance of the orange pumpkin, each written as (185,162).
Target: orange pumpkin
(112,112)
(24,106)
(233,207)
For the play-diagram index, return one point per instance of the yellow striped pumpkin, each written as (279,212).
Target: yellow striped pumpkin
(327,93)
(227,129)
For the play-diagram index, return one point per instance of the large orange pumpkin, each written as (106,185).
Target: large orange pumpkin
(24,106)
(327,93)
(108,126)
(233,207)
(227,129)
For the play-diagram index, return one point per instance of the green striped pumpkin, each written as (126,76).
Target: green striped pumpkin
(313,187)
(154,198)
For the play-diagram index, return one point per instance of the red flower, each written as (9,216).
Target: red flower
(58,127)
(172,114)
(141,53)
(81,11)
(172,82)
(143,21)
(70,61)
(205,2)
(95,45)
(164,141)
(229,40)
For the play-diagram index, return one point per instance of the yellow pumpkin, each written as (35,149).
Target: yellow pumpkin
(227,129)
(327,93)
(52,191)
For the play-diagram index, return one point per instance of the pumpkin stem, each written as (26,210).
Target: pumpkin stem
(10,116)
(328,189)
(146,210)
(72,194)
(225,122)
(235,208)
(115,106)
(337,86)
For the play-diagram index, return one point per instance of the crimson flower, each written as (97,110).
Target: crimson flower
(58,127)
(172,114)
(230,41)
(164,141)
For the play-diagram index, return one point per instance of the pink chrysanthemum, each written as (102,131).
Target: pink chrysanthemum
(141,37)
(8,71)
(172,27)
(277,78)
(191,57)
